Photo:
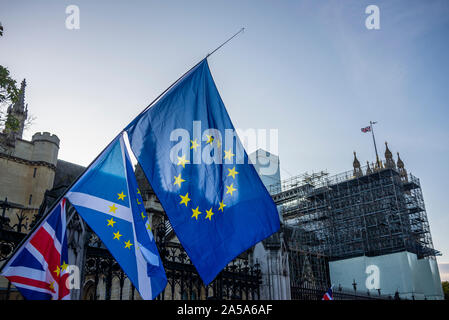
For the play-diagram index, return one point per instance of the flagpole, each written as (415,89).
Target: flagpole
(42,219)
(374,141)
(216,49)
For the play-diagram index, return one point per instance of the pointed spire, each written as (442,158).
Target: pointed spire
(356,164)
(368,168)
(400,162)
(401,169)
(17,115)
(389,162)
(387,151)
(19,105)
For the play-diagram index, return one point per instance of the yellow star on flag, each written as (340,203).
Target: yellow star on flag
(117,235)
(182,161)
(209,214)
(210,139)
(232,172)
(57,271)
(51,285)
(138,191)
(121,196)
(196,212)
(231,189)
(112,208)
(128,244)
(222,205)
(111,222)
(194,144)
(64,266)
(218,143)
(228,154)
(148,225)
(185,199)
(143,216)
(178,180)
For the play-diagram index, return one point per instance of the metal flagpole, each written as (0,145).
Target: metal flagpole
(241,30)
(42,219)
(207,56)
(371,123)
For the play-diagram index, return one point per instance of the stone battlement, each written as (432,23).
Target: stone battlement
(45,136)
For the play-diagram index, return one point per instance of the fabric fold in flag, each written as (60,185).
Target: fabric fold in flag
(39,269)
(108,199)
(187,147)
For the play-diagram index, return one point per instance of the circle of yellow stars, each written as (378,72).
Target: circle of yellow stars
(178,180)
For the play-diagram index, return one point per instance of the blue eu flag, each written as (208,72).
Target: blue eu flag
(212,195)
(108,199)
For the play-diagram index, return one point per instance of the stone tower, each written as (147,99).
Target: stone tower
(27,168)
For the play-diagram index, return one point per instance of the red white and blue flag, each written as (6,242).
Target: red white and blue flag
(39,268)
(366,129)
(328,295)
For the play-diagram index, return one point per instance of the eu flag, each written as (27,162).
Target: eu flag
(187,147)
(108,199)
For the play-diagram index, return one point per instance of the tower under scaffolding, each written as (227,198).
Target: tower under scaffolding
(370,211)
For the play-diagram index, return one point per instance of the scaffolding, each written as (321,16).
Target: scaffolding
(367,212)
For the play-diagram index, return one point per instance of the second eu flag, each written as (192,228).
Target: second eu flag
(213,197)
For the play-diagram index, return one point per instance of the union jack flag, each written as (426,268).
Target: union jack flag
(39,268)
(366,129)
(328,295)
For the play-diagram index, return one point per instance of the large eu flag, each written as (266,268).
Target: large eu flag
(212,195)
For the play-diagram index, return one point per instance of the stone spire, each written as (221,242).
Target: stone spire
(356,164)
(16,116)
(400,162)
(368,168)
(401,169)
(19,105)
(389,162)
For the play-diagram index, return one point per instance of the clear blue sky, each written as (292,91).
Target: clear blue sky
(308,68)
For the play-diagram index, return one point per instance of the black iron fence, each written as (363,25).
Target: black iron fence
(238,280)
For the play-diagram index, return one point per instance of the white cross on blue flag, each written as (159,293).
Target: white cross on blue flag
(108,199)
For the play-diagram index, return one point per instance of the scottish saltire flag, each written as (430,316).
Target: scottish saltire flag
(39,268)
(328,295)
(108,199)
(188,149)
